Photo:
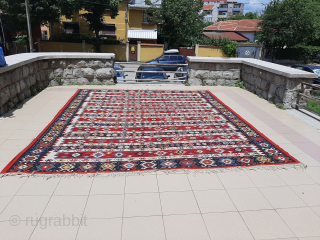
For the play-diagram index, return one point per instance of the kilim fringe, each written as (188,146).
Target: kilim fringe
(297,166)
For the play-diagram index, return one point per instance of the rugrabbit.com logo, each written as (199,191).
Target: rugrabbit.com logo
(44,222)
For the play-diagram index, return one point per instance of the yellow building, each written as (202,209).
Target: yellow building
(134,28)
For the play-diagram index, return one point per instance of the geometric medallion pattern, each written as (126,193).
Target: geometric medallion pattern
(138,130)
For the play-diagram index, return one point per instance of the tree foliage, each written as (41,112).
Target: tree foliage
(290,22)
(41,11)
(181,20)
(249,15)
(95,12)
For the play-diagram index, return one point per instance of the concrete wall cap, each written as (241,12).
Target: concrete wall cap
(18,60)
(263,65)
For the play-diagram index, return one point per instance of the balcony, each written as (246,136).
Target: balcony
(223,9)
(222,16)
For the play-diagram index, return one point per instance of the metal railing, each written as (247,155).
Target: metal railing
(174,80)
(306,96)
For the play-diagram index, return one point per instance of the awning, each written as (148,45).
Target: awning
(142,33)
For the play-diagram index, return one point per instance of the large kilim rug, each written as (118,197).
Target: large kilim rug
(126,131)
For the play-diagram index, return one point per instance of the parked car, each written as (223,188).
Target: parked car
(311,69)
(147,74)
(171,56)
(181,76)
(121,76)
(317,59)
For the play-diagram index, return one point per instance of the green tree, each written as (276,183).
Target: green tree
(180,19)
(41,11)
(289,23)
(95,11)
(249,15)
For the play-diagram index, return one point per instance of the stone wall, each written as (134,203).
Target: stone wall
(216,74)
(64,72)
(273,82)
(24,79)
(273,87)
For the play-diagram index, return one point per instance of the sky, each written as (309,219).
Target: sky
(254,5)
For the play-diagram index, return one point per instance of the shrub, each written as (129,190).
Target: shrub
(79,38)
(301,53)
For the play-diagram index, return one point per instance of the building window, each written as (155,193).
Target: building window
(145,16)
(108,29)
(222,13)
(207,19)
(71,27)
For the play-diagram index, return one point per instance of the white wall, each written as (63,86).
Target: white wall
(249,35)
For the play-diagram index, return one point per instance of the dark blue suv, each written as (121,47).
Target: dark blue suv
(169,59)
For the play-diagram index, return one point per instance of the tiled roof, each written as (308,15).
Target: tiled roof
(231,35)
(246,25)
(208,7)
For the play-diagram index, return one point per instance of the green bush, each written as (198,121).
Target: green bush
(228,47)
(301,53)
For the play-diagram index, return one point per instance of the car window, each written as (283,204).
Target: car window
(300,68)
(164,58)
(317,71)
(180,58)
(307,69)
(173,58)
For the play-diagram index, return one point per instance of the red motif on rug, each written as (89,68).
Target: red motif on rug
(133,130)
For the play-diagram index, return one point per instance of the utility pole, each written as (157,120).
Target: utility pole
(29,26)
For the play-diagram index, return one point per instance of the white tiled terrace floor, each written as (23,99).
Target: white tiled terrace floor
(261,204)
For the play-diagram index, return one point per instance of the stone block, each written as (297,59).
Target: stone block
(269,76)
(247,69)
(78,81)
(227,75)
(191,73)
(42,75)
(23,85)
(38,76)
(3,109)
(279,80)
(58,63)
(25,71)
(210,82)
(258,92)
(16,75)
(272,91)
(264,85)
(236,75)
(44,65)
(257,81)
(108,64)
(67,73)
(231,82)
(255,72)
(77,73)
(4,95)
(27,80)
(32,79)
(15,100)
(107,81)
(54,83)
(104,73)
(13,91)
(281,92)
(221,82)
(5,80)
(59,72)
(252,88)
(96,64)
(195,81)
(31,69)
(82,64)
(27,93)
(87,72)
(21,97)
(265,94)
(202,74)
(18,89)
